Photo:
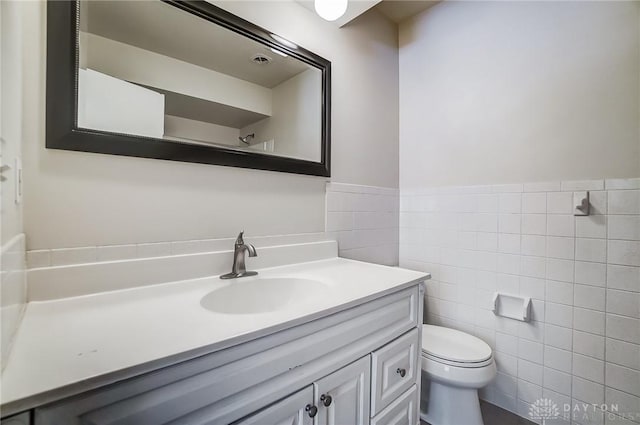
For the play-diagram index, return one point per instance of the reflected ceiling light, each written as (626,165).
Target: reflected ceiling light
(330,9)
(278,52)
(284,41)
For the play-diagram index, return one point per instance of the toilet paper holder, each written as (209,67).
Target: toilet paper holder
(512,306)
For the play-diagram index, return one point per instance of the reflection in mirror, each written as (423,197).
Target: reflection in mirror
(147,68)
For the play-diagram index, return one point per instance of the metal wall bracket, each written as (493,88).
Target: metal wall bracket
(581,203)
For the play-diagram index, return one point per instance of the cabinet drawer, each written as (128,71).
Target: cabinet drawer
(402,411)
(395,368)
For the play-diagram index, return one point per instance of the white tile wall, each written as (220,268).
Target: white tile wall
(13,291)
(364,221)
(583,274)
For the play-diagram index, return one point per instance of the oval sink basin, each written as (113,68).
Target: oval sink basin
(262,295)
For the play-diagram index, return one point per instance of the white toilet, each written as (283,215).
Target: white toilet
(454,366)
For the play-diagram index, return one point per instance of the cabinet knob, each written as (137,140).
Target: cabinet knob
(326,400)
(312,410)
(401,372)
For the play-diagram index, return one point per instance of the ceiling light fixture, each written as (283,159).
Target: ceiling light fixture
(330,9)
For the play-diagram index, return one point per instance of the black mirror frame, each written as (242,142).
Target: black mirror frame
(62,131)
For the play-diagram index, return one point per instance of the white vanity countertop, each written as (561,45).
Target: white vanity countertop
(69,345)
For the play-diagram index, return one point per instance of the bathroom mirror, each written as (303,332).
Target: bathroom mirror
(184,81)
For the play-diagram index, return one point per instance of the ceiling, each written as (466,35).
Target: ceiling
(396,10)
(167,30)
(355,8)
(399,10)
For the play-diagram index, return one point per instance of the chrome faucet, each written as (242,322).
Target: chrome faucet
(239,269)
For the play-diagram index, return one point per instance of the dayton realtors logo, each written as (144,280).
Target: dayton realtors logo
(543,409)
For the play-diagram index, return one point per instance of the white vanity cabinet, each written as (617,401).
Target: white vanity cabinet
(355,366)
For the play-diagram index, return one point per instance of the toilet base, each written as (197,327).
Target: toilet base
(451,405)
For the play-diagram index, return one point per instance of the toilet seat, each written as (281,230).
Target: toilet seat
(454,348)
(484,363)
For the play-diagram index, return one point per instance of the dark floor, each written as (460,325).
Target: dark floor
(494,415)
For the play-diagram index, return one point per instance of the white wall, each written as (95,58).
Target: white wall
(296,123)
(498,92)
(12,250)
(11,74)
(189,130)
(503,106)
(83,199)
(364,102)
(136,65)
(110,104)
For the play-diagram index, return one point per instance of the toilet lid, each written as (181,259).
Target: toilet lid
(450,344)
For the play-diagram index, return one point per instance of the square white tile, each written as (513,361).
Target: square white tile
(624,202)
(624,328)
(509,223)
(591,297)
(580,185)
(623,277)
(591,226)
(559,292)
(559,314)
(532,267)
(559,202)
(557,381)
(510,203)
(623,303)
(587,391)
(588,344)
(530,350)
(589,321)
(561,225)
(560,247)
(534,203)
(560,270)
(534,224)
(558,336)
(590,273)
(557,358)
(626,253)
(623,353)
(623,378)
(624,184)
(594,250)
(625,227)
(509,243)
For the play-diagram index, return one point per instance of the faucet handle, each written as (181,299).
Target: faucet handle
(239,240)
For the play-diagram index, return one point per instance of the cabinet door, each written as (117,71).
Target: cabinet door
(343,397)
(289,411)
